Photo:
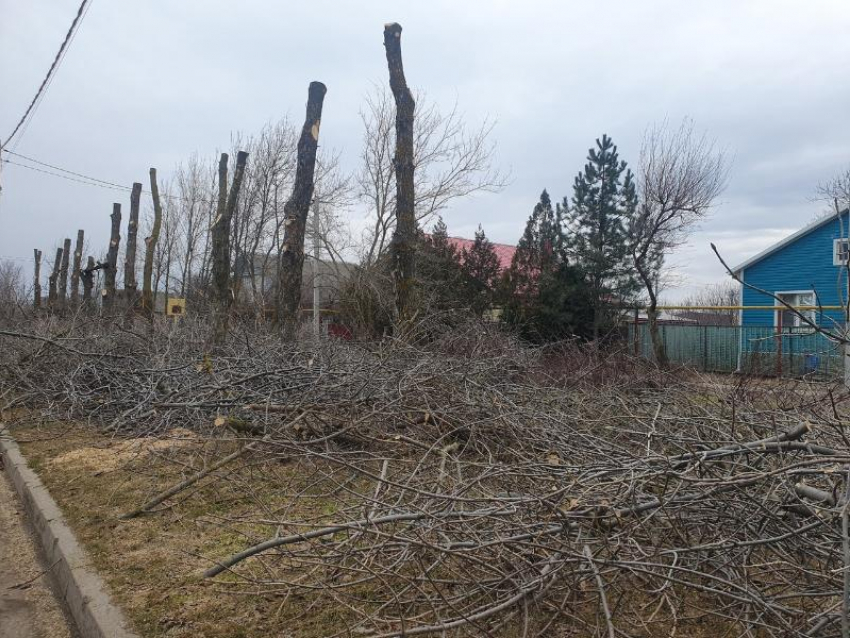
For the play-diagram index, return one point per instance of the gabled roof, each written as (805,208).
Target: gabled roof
(818,223)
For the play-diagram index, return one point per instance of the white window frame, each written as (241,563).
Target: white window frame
(798,322)
(836,251)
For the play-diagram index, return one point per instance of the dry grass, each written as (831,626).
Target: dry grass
(153,563)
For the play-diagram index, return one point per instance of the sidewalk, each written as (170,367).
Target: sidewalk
(30,610)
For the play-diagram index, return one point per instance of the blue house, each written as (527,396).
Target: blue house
(808,268)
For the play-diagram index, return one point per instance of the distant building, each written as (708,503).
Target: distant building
(257,282)
(807,268)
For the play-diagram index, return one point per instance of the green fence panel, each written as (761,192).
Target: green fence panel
(750,349)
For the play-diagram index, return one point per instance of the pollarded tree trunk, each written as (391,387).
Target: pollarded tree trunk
(36,280)
(52,280)
(130,284)
(220,257)
(295,213)
(75,269)
(87,276)
(112,259)
(403,246)
(221,288)
(63,274)
(150,247)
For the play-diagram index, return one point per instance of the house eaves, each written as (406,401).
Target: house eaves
(818,223)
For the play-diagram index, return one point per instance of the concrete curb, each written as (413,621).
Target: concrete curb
(78,584)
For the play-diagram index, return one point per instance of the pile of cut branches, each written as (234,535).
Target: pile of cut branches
(476,492)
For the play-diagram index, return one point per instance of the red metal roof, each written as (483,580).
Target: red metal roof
(505,252)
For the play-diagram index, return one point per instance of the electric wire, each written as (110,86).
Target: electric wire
(64,170)
(51,71)
(71,179)
(87,180)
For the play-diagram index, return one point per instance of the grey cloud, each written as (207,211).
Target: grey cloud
(149,83)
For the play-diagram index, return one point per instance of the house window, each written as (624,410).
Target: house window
(840,252)
(786,318)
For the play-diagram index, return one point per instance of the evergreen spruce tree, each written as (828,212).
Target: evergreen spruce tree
(439,270)
(604,199)
(480,267)
(544,296)
(439,244)
(541,247)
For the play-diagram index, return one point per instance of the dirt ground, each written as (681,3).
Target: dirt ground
(27,606)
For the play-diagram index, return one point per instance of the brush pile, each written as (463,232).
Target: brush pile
(484,488)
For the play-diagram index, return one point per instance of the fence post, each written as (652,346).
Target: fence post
(846,363)
(705,348)
(637,334)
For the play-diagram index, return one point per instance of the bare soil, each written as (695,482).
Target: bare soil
(28,609)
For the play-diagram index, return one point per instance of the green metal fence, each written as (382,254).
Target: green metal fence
(763,350)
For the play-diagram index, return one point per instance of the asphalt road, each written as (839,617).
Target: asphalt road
(28,609)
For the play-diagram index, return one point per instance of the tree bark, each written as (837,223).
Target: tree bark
(112,259)
(87,276)
(658,348)
(403,246)
(295,213)
(75,270)
(52,281)
(150,247)
(63,274)
(130,284)
(36,280)
(221,284)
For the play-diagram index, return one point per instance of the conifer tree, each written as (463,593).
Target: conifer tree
(439,242)
(604,199)
(541,248)
(544,296)
(480,268)
(439,271)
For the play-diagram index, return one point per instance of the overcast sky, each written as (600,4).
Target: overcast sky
(147,83)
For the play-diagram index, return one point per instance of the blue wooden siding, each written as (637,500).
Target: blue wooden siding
(805,264)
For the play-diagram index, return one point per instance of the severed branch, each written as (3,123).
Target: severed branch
(588,554)
(159,498)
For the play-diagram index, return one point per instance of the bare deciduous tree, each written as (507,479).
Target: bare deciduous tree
(130,285)
(150,247)
(165,247)
(836,189)
(296,209)
(451,160)
(11,286)
(257,227)
(403,247)
(711,305)
(63,273)
(53,279)
(194,182)
(221,289)
(36,279)
(77,265)
(87,275)
(112,258)
(679,176)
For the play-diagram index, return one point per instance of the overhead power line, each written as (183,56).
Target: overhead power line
(82,178)
(72,179)
(56,61)
(63,170)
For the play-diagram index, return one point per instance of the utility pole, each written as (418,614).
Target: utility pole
(317,289)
